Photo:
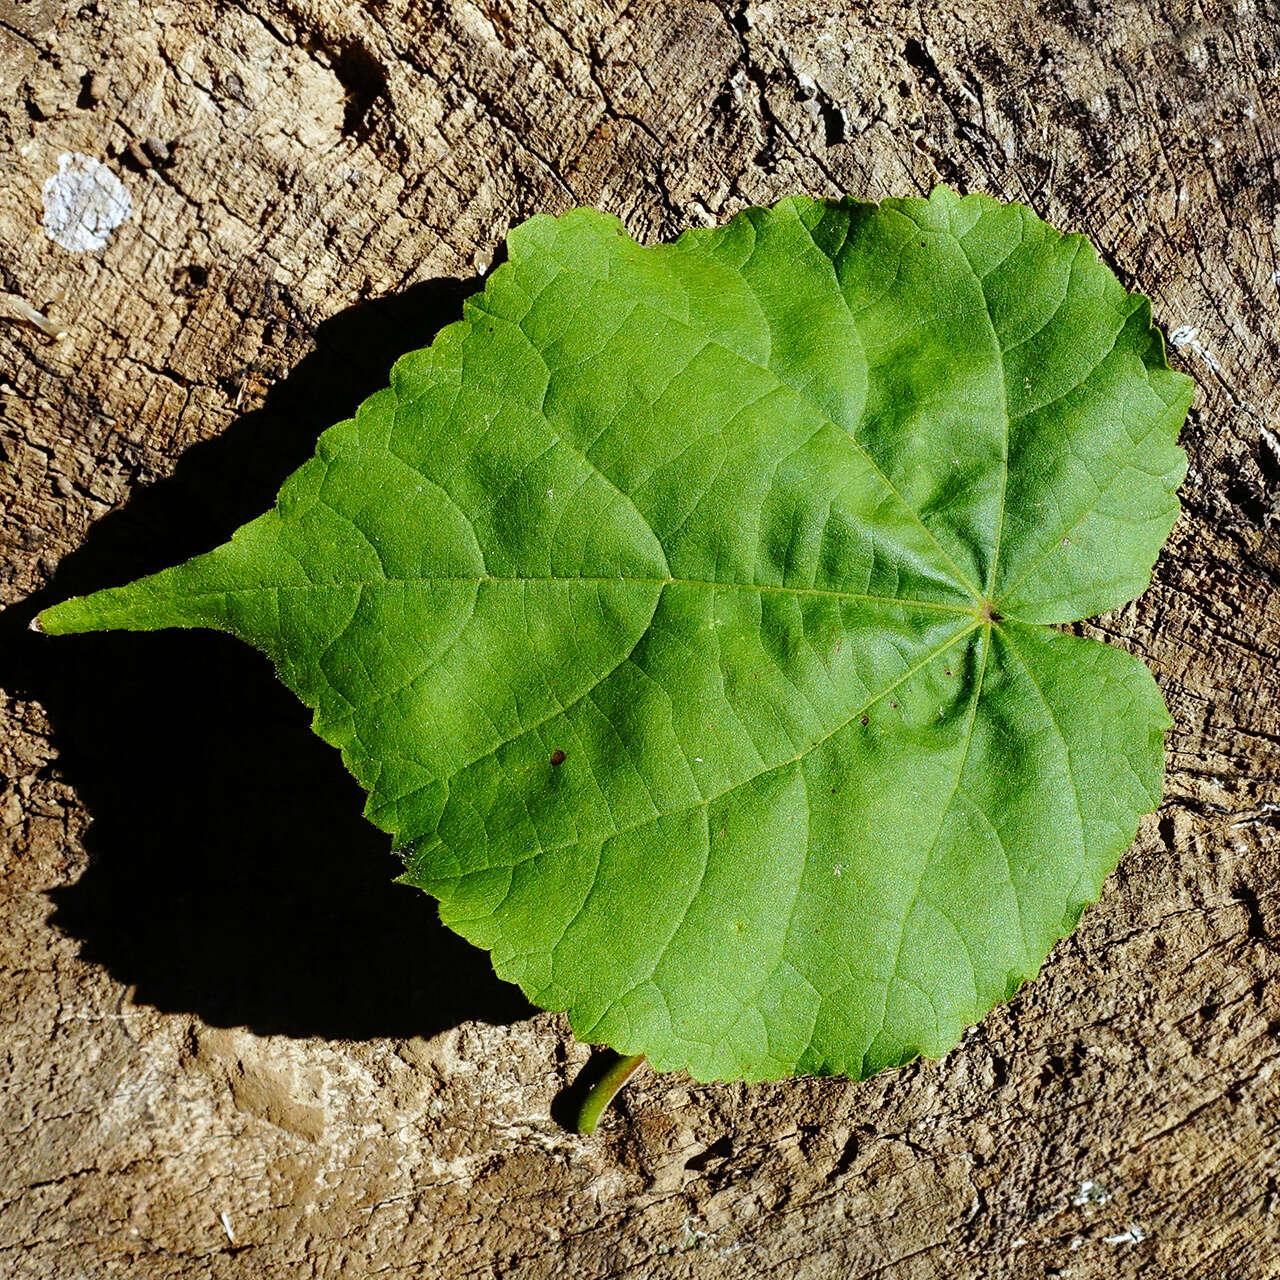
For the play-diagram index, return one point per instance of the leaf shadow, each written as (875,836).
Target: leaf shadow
(230,872)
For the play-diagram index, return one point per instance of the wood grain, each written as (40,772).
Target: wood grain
(230,1048)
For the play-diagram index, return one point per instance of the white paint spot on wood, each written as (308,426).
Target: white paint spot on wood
(693,1234)
(1091,1193)
(1134,1235)
(1186,335)
(84,202)
(1272,442)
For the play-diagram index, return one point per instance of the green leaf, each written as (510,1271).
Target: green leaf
(683,611)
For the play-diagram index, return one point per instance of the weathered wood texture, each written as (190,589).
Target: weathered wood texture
(230,1048)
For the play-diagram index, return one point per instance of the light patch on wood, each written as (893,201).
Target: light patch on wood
(84,202)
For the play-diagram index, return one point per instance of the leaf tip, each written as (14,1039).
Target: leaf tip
(58,619)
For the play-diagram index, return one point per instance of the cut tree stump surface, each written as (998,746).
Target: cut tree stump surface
(230,1047)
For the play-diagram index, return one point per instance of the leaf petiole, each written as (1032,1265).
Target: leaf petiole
(604,1090)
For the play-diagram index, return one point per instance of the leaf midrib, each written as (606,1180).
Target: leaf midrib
(618,579)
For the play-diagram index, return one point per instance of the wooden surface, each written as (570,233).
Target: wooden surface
(228,1046)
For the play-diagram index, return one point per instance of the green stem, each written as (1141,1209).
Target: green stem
(603,1091)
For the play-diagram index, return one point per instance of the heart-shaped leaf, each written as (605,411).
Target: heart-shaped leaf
(683,611)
